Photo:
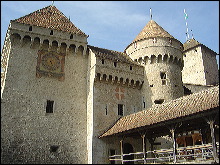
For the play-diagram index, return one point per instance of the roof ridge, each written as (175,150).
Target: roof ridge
(115,54)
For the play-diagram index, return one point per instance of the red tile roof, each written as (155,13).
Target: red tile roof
(184,106)
(50,17)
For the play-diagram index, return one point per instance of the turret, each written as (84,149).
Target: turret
(161,55)
(200,64)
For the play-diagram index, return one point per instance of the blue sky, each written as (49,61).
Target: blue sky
(114,24)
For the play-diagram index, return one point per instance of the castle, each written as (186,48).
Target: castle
(62,96)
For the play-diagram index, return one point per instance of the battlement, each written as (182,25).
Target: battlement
(168,59)
(156,50)
(47,39)
(114,72)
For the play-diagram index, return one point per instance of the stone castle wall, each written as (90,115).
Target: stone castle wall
(108,93)
(193,70)
(210,67)
(29,134)
(200,66)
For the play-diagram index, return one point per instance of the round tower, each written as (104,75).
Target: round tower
(161,55)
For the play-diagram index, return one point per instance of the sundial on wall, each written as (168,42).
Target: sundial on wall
(50,64)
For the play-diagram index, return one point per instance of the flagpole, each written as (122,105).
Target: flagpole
(187,31)
(150,14)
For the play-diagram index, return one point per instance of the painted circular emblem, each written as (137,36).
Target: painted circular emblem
(50,61)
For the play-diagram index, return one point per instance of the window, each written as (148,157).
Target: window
(106,110)
(71,36)
(120,109)
(163,77)
(103,61)
(115,64)
(30,28)
(49,107)
(170,41)
(54,148)
(160,101)
(131,68)
(143,103)
(51,32)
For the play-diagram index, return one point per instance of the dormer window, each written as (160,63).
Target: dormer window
(170,41)
(135,45)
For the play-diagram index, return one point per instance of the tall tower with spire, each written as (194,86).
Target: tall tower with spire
(161,55)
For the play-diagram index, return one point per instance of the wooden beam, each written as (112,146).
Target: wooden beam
(121,143)
(172,131)
(211,125)
(144,150)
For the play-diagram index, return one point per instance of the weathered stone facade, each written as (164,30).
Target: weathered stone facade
(90,89)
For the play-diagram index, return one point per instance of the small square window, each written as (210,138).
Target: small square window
(164,82)
(54,148)
(49,107)
(120,109)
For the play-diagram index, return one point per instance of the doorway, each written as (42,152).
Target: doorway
(127,148)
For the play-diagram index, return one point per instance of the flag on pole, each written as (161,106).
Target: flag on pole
(186,15)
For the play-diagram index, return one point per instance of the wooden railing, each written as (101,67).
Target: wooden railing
(184,154)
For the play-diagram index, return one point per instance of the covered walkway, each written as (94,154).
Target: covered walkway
(198,111)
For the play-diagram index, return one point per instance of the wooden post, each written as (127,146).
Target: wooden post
(215,155)
(172,130)
(121,141)
(144,151)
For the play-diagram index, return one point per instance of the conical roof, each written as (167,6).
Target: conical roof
(190,44)
(50,17)
(152,29)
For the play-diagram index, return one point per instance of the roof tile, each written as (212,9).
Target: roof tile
(50,17)
(152,29)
